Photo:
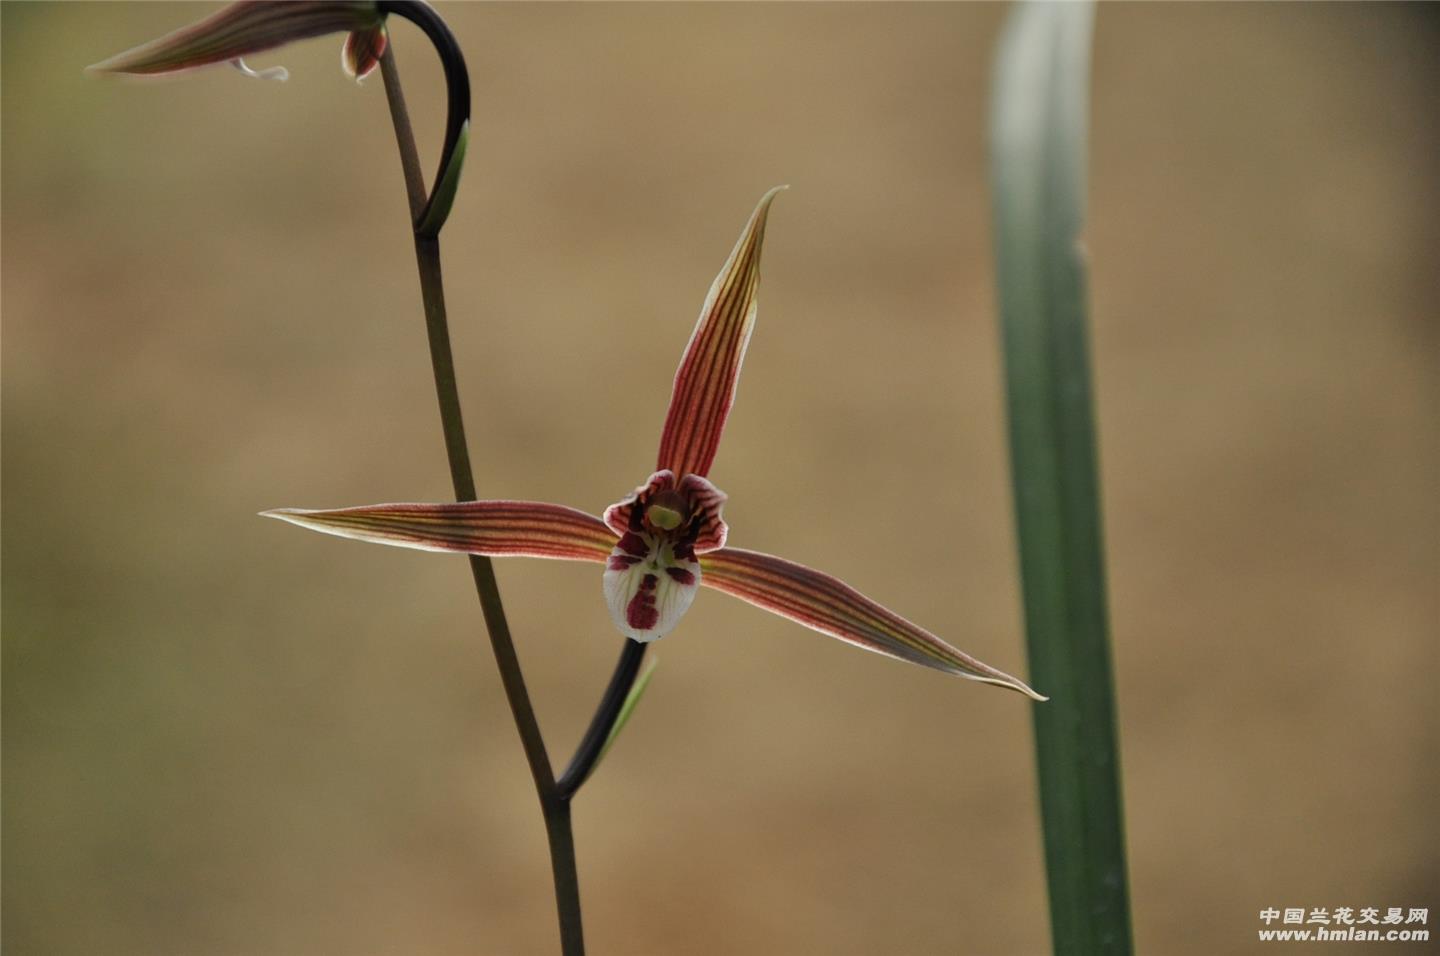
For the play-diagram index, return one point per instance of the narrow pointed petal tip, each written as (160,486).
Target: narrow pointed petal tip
(828,605)
(495,528)
(238,30)
(709,372)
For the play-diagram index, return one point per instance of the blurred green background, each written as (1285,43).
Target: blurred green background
(226,736)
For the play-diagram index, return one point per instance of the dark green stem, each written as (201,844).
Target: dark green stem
(592,745)
(427,220)
(553,803)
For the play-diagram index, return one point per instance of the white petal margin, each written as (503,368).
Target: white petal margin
(647,588)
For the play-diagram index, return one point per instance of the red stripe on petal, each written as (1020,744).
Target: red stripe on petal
(495,528)
(709,530)
(709,372)
(832,607)
(622,517)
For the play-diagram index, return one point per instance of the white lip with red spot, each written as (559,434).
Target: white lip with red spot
(647,587)
(653,571)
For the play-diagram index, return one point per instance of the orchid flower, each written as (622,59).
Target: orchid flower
(667,539)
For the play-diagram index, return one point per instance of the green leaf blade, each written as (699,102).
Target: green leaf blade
(1038,132)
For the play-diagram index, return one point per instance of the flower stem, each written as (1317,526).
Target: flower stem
(592,745)
(553,803)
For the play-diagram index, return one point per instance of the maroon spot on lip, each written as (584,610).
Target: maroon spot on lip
(633,544)
(641,613)
(620,562)
(681,575)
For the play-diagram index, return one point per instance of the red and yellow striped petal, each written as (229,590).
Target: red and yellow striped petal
(710,369)
(243,28)
(497,528)
(832,607)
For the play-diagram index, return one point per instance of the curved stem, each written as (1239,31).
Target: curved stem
(457,95)
(592,745)
(553,804)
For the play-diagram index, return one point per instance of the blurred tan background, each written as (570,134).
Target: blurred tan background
(227,736)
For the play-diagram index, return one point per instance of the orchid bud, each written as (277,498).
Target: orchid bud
(244,28)
(362,51)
